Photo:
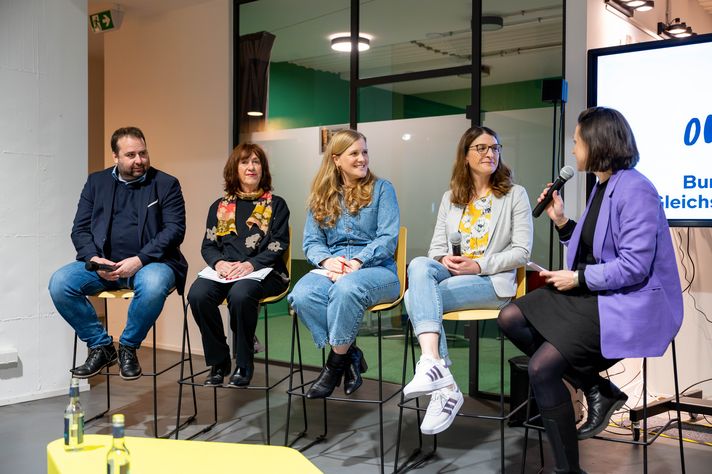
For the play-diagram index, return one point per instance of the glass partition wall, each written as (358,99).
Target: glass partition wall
(411,91)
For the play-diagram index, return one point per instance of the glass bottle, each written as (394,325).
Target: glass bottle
(73,419)
(117,459)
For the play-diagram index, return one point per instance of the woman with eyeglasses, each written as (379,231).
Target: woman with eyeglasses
(490,217)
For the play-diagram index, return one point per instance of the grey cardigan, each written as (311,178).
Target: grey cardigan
(510,243)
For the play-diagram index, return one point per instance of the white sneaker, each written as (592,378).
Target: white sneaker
(442,409)
(430,375)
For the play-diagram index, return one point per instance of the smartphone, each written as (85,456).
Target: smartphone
(535,267)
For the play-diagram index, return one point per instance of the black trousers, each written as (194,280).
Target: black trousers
(243,303)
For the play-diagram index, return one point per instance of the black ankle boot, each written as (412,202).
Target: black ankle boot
(603,400)
(242,375)
(352,374)
(330,375)
(129,368)
(218,373)
(560,425)
(99,357)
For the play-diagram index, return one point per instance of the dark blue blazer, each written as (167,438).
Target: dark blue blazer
(161,220)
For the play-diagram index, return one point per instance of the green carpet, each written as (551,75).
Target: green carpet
(280,327)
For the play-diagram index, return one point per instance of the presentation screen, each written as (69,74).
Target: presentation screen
(664,89)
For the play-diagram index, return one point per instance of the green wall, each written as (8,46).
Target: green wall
(302,97)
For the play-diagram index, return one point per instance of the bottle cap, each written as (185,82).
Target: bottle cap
(117,419)
(75,382)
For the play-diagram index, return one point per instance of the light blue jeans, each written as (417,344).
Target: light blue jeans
(333,311)
(432,291)
(70,285)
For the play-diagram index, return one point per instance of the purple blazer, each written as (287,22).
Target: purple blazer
(640,299)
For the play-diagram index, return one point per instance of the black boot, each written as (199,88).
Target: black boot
(99,357)
(330,375)
(218,373)
(242,375)
(352,375)
(129,368)
(603,400)
(560,426)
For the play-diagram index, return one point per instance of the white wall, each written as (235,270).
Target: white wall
(169,73)
(43,154)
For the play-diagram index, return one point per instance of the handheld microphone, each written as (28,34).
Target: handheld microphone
(93,267)
(455,241)
(564,175)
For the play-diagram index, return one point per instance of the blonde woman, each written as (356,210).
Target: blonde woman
(350,235)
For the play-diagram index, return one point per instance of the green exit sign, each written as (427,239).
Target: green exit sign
(101,21)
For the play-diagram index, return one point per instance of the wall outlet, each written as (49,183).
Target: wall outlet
(8,356)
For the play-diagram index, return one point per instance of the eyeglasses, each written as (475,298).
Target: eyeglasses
(482,148)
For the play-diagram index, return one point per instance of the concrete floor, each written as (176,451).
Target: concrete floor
(351,446)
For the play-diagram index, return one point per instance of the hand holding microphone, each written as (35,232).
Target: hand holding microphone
(94,266)
(456,242)
(456,263)
(565,174)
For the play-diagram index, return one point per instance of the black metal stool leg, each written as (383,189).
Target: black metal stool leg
(267,384)
(677,405)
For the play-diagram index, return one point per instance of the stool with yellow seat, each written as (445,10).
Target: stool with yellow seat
(267,386)
(472,315)
(298,390)
(126,294)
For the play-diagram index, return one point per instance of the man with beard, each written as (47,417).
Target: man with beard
(127,231)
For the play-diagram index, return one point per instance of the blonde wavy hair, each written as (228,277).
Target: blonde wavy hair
(328,186)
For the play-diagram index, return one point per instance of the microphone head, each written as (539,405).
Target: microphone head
(455,238)
(566,173)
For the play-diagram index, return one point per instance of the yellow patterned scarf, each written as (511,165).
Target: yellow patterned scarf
(260,216)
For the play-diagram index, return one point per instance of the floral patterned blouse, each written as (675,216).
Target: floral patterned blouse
(255,231)
(475,226)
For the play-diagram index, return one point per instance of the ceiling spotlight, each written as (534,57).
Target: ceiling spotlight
(646,6)
(634,3)
(685,34)
(675,29)
(342,43)
(492,23)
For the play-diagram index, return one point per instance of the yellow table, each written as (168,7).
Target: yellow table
(155,456)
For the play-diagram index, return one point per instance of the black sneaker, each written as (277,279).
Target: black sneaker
(99,357)
(129,368)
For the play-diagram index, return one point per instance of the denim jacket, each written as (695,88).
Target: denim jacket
(370,235)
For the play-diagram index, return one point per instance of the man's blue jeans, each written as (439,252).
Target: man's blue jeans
(333,311)
(70,285)
(433,290)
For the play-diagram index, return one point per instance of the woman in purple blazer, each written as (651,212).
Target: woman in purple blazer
(622,297)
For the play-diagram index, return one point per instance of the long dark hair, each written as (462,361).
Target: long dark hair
(461,183)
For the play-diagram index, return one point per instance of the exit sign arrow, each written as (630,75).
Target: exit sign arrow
(103,21)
